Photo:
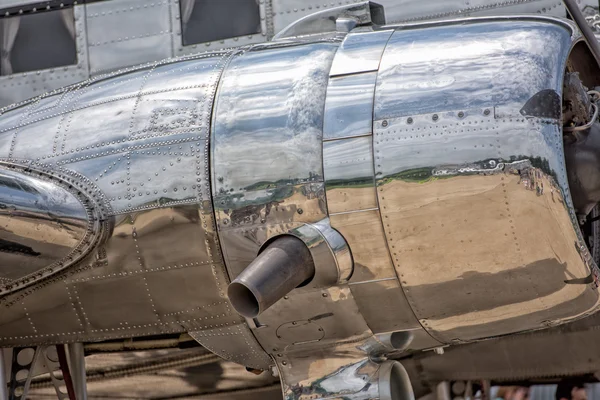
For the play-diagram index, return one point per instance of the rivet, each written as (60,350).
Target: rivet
(409,120)
(325,295)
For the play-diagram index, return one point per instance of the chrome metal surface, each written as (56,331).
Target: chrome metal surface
(77,369)
(349,105)
(349,175)
(362,13)
(44,224)
(284,264)
(116,42)
(349,373)
(471,180)
(136,144)
(360,52)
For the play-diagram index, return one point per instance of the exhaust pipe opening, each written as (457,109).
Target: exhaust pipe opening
(394,383)
(243,299)
(285,264)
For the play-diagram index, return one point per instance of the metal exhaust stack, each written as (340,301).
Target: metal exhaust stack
(284,264)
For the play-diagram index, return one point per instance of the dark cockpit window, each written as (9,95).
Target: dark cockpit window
(37,41)
(209,20)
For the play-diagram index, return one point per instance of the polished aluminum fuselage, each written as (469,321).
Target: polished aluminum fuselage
(422,165)
(114,34)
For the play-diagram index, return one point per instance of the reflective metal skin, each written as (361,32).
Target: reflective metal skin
(42,224)
(426,180)
(115,34)
(471,180)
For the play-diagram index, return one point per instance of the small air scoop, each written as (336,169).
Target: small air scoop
(283,265)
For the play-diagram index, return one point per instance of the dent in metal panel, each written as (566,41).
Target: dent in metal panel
(360,52)
(419,73)
(349,106)
(349,175)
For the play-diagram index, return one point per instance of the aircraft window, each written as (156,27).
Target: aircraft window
(208,20)
(37,41)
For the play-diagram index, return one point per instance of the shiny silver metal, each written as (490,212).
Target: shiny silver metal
(460,151)
(349,105)
(349,175)
(360,52)
(114,42)
(284,264)
(349,16)
(46,225)
(192,166)
(349,373)
(136,144)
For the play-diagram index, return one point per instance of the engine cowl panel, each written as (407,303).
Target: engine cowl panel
(423,167)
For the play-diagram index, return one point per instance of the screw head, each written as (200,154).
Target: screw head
(384,123)
(435,117)
(461,114)
(409,120)
(300,211)
(486,112)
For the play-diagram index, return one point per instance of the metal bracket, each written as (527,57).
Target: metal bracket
(337,19)
(24,360)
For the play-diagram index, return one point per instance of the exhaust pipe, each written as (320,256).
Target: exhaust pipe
(283,265)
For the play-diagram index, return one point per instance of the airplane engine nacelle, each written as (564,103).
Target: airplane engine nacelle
(420,170)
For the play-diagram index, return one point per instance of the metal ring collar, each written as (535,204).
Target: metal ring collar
(586,126)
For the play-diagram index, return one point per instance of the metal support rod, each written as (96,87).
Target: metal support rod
(3,382)
(64,367)
(585,29)
(78,374)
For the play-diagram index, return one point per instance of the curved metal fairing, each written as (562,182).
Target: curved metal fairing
(41,224)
